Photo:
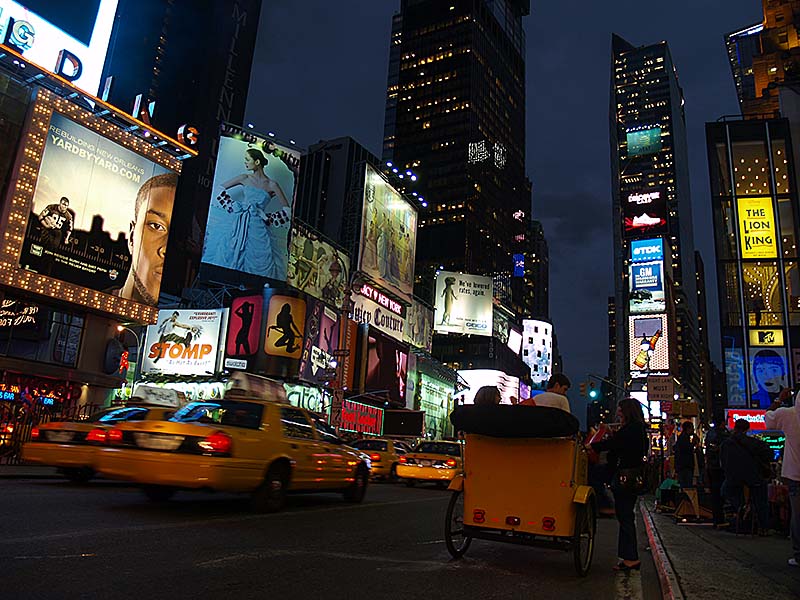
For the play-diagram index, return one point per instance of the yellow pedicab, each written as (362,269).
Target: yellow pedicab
(524,481)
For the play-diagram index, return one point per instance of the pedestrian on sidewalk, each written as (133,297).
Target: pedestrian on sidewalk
(787,419)
(627,450)
(746,462)
(684,456)
(715,475)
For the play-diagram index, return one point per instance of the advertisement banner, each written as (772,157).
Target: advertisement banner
(755,417)
(285,327)
(361,418)
(644,141)
(519,265)
(387,366)
(501,324)
(100,214)
(757,228)
(305,396)
(436,398)
(418,330)
(317,268)
(251,207)
(734,377)
(388,235)
(478,378)
(537,350)
(648,343)
(463,303)
(320,343)
(645,213)
(514,340)
(244,331)
(412,382)
(647,288)
(766,337)
(183,342)
(374,308)
(648,250)
(769,375)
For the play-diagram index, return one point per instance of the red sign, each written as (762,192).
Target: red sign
(361,418)
(666,407)
(753,416)
(379,297)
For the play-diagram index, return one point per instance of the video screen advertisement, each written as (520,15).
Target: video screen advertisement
(537,350)
(645,213)
(648,345)
(386,366)
(317,268)
(67,38)
(184,342)
(463,304)
(647,287)
(251,208)
(769,375)
(644,141)
(478,378)
(91,210)
(388,236)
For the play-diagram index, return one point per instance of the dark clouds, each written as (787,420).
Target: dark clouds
(320,72)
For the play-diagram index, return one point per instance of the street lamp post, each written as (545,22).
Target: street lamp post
(138,368)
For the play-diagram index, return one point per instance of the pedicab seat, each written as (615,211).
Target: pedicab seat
(514,421)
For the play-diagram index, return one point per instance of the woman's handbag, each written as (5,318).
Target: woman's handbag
(632,480)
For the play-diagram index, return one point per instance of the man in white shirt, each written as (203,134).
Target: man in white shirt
(787,419)
(555,395)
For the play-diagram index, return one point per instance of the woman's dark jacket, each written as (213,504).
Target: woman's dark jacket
(628,446)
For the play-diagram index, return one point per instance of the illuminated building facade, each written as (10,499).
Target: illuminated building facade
(754,202)
(455,114)
(655,297)
(742,46)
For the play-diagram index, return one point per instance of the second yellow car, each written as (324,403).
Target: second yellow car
(431,461)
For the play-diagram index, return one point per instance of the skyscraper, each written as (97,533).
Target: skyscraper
(655,296)
(455,114)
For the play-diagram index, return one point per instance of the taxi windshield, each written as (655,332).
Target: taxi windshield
(439,448)
(119,413)
(223,412)
(377,445)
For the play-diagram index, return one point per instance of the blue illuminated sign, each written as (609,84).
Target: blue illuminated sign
(647,250)
(519,265)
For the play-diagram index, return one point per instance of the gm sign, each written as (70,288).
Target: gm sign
(69,38)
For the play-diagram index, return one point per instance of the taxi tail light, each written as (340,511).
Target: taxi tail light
(512,521)
(97,435)
(549,523)
(479,515)
(218,442)
(375,457)
(34,431)
(114,436)
(451,462)
(402,460)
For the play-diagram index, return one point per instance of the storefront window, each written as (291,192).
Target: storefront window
(32,331)
(763,294)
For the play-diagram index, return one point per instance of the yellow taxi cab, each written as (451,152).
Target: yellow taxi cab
(243,443)
(71,446)
(384,455)
(431,461)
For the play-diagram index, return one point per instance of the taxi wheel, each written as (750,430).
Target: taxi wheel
(270,496)
(79,475)
(457,543)
(158,493)
(583,538)
(410,483)
(393,473)
(355,493)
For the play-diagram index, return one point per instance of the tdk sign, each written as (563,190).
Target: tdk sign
(647,250)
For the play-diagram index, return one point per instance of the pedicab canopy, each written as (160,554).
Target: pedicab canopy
(514,421)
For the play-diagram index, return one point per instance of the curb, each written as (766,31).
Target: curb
(670,588)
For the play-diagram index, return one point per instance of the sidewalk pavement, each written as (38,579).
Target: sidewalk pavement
(701,563)
(27,472)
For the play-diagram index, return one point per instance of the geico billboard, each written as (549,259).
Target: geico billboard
(66,38)
(537,350)
(183,342)
(251,208)
(463,304)
(648,345)
(478,378)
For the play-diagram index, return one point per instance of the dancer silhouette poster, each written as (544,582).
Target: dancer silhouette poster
(244,331)
(286,322)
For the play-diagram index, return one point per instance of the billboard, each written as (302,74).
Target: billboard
(69,39)
(361,418)
(100,214)
(755,417)
(418,329)
(648,344)
(251,207)
(757,228)
(647,250)
(388,235)
(647,287)
(387,366)
(734,376)
(376,309)
(317,268)
(183,342)
(306,396)
(244,330)
(320,342)
(766,337)
(645,213)
(769,375)
(463,303)
(514,340)
(477,378)
(519,265)
(537,350)
(644,141)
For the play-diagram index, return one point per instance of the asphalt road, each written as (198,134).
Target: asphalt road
(59,540)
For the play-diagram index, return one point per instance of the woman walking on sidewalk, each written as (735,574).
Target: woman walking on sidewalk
(628,449)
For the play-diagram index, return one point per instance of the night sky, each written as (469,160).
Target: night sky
(320,72)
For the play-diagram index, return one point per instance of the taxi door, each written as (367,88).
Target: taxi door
(336,467)
(303,448)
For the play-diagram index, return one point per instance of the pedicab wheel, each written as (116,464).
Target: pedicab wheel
(583,538)
(457,543)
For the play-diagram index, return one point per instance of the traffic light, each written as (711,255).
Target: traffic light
(583,389)
(594,393)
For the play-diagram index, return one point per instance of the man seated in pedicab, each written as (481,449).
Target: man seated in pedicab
(555,394)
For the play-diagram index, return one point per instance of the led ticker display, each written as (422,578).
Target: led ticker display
(644,141)
(647,250)
(757,228)
(644,213)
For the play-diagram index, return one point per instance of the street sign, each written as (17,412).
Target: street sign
(666,407)
(660,389)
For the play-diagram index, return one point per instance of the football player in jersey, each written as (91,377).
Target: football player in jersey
(56,221)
